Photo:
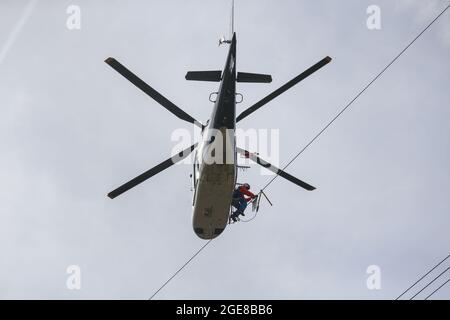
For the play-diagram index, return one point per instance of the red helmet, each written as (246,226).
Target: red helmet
(246,186)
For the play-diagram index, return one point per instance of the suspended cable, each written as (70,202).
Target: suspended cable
(432,281)
(178,271)
(437,289)
(423,277)
(357,96)
(315,137)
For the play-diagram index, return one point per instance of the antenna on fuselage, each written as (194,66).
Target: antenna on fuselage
(232,19)
(223,40)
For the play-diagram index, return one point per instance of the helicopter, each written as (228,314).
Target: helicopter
(215,155)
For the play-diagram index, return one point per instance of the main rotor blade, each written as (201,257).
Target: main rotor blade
(284,88)
(276,170)
(116,65)
(150,173)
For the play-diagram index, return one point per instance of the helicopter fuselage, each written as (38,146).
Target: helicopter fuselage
(215,171)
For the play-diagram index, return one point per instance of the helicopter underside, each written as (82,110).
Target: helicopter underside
(213,200)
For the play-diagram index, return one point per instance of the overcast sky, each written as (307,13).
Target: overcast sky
(72,129)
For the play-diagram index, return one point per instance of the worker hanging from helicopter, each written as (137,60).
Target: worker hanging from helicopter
(240,201)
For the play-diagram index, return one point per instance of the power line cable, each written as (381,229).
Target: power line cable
(357,96)
(320,133)
(422,277)
(432,281)
(437,289)
(179,270)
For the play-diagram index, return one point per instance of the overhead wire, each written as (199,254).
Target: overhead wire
(440,287)
(179,270)
(431,282)
(315,137)
(356,97)
(421,278)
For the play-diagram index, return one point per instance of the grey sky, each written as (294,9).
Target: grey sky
(71,129)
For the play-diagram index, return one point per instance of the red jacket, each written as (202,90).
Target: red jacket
(246,192)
